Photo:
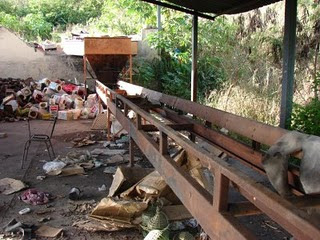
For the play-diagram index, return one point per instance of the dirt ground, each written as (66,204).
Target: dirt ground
(61,210)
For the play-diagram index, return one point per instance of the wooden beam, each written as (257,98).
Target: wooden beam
(177,127)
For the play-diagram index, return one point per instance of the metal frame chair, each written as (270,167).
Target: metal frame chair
(38,138)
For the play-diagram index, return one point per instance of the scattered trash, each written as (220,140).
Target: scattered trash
(110,170)
(117,129)
(74,194)
(47,231)
(44,98)
(82,206)
(159,221)
(24,211)
(149,187)
(126,177)
(44,219)
(75,170)
(126,158)
(13,226)
(44,211)
(107,151)
(3,135)
(97,164)
(157,235)
(118,213)
(76,156)
(10,185)
(82,142)
(54,167)
(35,197)
(97,226)
(116,159)
(123,139)
(103,188)
(106,144)
(41,178)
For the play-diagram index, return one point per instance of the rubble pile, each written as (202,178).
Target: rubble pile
(42,99)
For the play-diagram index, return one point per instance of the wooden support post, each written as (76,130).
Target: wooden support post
(220,192)
(289,48)
(163,144)
(130,70)
(131,152)
(85,74)
(108,124)
(138,122)
(194,71)
(192,137)
(126,110)
(100,105)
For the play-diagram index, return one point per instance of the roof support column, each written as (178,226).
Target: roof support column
(159,26)
(194,69)
(289,43)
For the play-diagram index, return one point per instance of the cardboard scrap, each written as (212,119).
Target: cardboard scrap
(126,177)
(152,185)
(47,231)
(10,185)
(196,171)
(118,211)
(75,170)
(93,225)
(149,187)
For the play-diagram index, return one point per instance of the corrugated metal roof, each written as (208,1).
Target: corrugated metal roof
(222,6)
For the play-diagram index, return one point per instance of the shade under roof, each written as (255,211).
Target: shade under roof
(222,6)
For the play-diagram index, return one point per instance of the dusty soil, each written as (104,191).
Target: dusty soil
(61,211)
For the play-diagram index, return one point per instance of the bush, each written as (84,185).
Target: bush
(307,118)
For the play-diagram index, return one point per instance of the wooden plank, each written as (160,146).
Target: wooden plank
(257,131)
(134,47)
(107,46)
(176,127)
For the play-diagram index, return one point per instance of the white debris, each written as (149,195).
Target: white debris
(53,166)
(103,188)
(107,151)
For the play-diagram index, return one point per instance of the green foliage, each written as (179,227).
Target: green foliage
(125,16)
(307,118)
(34,19)
(174,46)
(35,25)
